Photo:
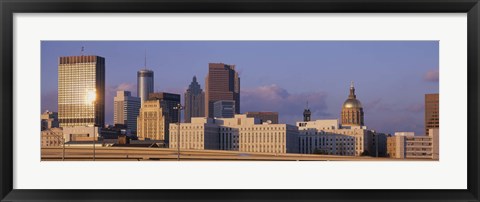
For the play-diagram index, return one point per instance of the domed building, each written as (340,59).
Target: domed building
(352,110)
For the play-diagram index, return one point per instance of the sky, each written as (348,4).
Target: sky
(390,77)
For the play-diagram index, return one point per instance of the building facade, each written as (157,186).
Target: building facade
(224,109)
(81,133)
(49,120)
(152,122)
(240,133)
(200,134)
(314,138)
(409,146)
(352,110)
(396,146)
(168,102)
(264,116)
(194,101)
(81,91)
(432,113)
(144,84)
(126,109)
(52,137)
(423,147)
(221,83)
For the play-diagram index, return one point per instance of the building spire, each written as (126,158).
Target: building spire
(352,91)
(145,64)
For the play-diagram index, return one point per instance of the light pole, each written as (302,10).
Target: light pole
(179,107)
(92,98)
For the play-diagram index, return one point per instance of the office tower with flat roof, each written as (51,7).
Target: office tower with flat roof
(432,113)
(168,102)
(126,109)
(221,83)
(144,84)
(81,91)
(194,101)
(224,109)
(151,121)
(264,116)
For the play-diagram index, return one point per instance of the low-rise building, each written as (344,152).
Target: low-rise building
(200,134)
(407,145)
(363,137)
(240,133)
(312,141)
(81,133)
(264,116)
(49,120)
(52,137)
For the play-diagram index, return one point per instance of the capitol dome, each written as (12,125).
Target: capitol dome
(352,103)
(352,110)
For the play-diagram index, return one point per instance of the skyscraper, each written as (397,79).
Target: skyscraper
(194,101)
(432,114)
(144,84)
(167,101)
(81,91)
(221,83)
(352,110)
(126,109)
(224,109)
(151,121)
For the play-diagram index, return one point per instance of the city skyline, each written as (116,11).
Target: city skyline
(391,103)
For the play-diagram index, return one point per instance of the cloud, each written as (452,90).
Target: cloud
(415,108)
(290,106)
(431,75)
(378,105)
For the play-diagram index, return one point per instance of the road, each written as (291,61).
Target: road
(84,153)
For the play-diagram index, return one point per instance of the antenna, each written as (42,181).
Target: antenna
(307,104)
(83,49)
(145,59)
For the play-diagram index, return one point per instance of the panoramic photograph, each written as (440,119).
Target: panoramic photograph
(239,101)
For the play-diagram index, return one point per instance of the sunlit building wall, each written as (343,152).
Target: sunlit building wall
(81,91)
(151,121)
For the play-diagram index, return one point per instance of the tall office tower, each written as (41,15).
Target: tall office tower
(167,101)
(81,91)
(352,110)
(151,121)
(144,84)
(126,109)
(432,113)
(194,101)
(224,109)
(221,83)
(264,116)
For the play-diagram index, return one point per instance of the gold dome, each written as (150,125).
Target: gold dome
(352,103)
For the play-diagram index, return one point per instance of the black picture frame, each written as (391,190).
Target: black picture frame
(10,7)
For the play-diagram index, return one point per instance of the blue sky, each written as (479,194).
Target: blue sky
(391,77)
